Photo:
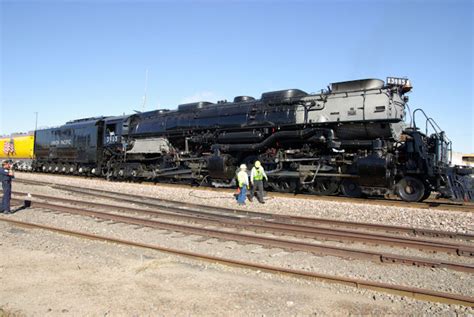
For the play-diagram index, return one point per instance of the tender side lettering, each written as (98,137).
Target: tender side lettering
(62,142)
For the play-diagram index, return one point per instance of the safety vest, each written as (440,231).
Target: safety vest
(258,176)
(242,178)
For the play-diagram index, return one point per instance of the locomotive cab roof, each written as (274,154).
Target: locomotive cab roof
(117,118)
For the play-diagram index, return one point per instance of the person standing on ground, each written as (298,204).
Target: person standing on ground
(243,182)
(6,176)
(256,178)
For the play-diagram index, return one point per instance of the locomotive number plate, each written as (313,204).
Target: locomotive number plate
(397,81)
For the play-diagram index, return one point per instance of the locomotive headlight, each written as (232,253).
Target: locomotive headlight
(407,87)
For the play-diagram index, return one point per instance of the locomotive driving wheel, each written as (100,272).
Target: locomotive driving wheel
(324,186)
(349,188)
(411,189)
(284,186)
(427,193)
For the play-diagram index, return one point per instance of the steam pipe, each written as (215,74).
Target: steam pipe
(300,134)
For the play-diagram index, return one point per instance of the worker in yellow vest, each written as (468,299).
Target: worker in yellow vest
(243,182)
(256,178)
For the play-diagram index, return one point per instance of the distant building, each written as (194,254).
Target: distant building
(462,159)
(468,159)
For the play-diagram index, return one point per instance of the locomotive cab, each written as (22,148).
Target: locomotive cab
(115,128)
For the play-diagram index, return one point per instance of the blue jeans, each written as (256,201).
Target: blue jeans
(7,194)
(242,195)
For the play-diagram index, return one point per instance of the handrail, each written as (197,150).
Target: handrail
(432,121)
(437,129)
(427,120)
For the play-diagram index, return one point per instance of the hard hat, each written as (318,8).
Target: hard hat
(257,164)
(243,166)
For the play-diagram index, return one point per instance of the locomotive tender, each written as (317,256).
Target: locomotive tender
(351,138)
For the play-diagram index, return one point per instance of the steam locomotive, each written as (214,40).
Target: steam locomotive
(350,138)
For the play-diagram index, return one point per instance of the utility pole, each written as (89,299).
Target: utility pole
(36,121)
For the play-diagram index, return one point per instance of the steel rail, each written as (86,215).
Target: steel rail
(257,225)
(433,205)
(147,201)
(374,226)
(412,292)
(266,241)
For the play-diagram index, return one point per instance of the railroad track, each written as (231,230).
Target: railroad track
(275,226)
(281,225)
(432,204)
(416,293)
(272,228)
(160,202)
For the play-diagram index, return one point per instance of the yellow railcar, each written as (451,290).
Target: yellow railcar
(17,147)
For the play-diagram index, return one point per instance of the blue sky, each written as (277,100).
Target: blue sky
(73,59)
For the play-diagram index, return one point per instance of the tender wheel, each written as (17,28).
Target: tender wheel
(349,188)
(324,186)
(411,189)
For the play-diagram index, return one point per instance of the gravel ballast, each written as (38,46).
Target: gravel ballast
(258,301)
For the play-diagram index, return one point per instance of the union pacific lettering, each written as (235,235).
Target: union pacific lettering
(62,142)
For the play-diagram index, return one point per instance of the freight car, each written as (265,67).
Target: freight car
(19,149)
(351,138)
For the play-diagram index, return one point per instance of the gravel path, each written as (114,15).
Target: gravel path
(47,274)
(436,279)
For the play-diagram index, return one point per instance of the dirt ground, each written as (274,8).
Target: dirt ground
(47,274)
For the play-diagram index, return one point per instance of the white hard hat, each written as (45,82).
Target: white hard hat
(243,166)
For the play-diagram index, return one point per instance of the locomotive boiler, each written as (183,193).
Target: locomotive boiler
(351,139)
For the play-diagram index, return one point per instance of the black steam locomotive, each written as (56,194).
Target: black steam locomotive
(351,139)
